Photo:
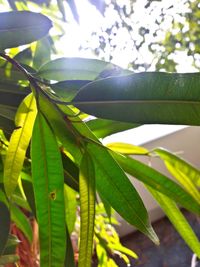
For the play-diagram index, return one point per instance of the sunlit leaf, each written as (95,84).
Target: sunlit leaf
(70,207)
(48,182)
(87,210)
(19,142)
(62,127)
(180,165)
(115,187)
(129,149)
(149,97)
(157,181)
(63,69)
(22,27)
(178,220)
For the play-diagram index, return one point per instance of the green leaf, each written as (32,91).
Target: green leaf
(149,97)
(179,164)
(71,173)
(115,187)
(129,149)
(102,128)
(22,27)
(69,257)
(70,207)
(48,183)
(21,221)
(61,126)
(42,52)
(122,249)
(87,210)
(4,226)
(24,56)
(68,89)
(4,260)
(157,181)
(11,245)
(178,220)
(63,69)
(28,191)
(19,142)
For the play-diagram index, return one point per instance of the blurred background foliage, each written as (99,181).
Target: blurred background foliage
(143,35)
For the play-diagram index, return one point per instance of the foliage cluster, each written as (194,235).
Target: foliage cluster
(51,149)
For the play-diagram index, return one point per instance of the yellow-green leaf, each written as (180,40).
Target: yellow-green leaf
(178,220)
(19,142)
(129,149)
(87,207)
(48,183)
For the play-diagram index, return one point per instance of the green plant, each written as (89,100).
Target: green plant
(47,106)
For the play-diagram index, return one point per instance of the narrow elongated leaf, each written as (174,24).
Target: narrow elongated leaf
(158,181)
(71,173)
(178,220)
(102,128)
(61,126)
(180,164)
(19,142)
(87,209)
(129,149)
(69,256)
(4,226)
(70,208)
(21,221)
(48,182)
(150,97)
(22,27)
(63,69)
(115,187)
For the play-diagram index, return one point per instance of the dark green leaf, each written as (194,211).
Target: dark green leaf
(69,257)
(102,128)
(28,191)
(157,181)
(68,89)
(21,221)
(22,27)
(48,183)
(4,226)
(24,56)
(151,97)
(115,187)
